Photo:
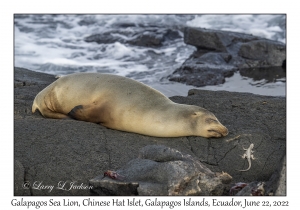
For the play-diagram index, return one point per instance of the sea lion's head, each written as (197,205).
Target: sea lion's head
(207,125)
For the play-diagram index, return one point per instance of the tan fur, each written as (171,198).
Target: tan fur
(124,104)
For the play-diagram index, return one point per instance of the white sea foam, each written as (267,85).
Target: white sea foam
(56,44)
(258,25)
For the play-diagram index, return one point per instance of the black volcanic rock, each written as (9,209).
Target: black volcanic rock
(65,152)
(160,170)
(220,53)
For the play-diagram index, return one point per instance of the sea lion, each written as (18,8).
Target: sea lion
(124,104)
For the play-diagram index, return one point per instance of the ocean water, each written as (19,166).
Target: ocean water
(56,44)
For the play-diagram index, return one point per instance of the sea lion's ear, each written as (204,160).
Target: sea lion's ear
(196,113)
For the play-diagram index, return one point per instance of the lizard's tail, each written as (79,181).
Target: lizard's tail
(244,169)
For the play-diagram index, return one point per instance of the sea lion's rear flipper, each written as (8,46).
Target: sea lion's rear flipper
(41,106)
(46,112)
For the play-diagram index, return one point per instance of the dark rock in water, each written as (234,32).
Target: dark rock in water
(170,34)
(147,39)
(214,40)
(104,38)
(220,53)
(204,70)
(262,53)
(160,170)
(154,37)
(63,151)
(150,37)
(270,74)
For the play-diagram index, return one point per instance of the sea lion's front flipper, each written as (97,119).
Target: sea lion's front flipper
(88,113)
(78,113)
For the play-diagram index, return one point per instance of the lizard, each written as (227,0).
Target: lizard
(248,154)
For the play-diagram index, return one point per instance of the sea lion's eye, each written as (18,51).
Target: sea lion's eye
(209,120)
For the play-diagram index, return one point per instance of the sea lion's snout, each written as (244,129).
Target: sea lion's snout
(218,131)
(224,131)
(215,128)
